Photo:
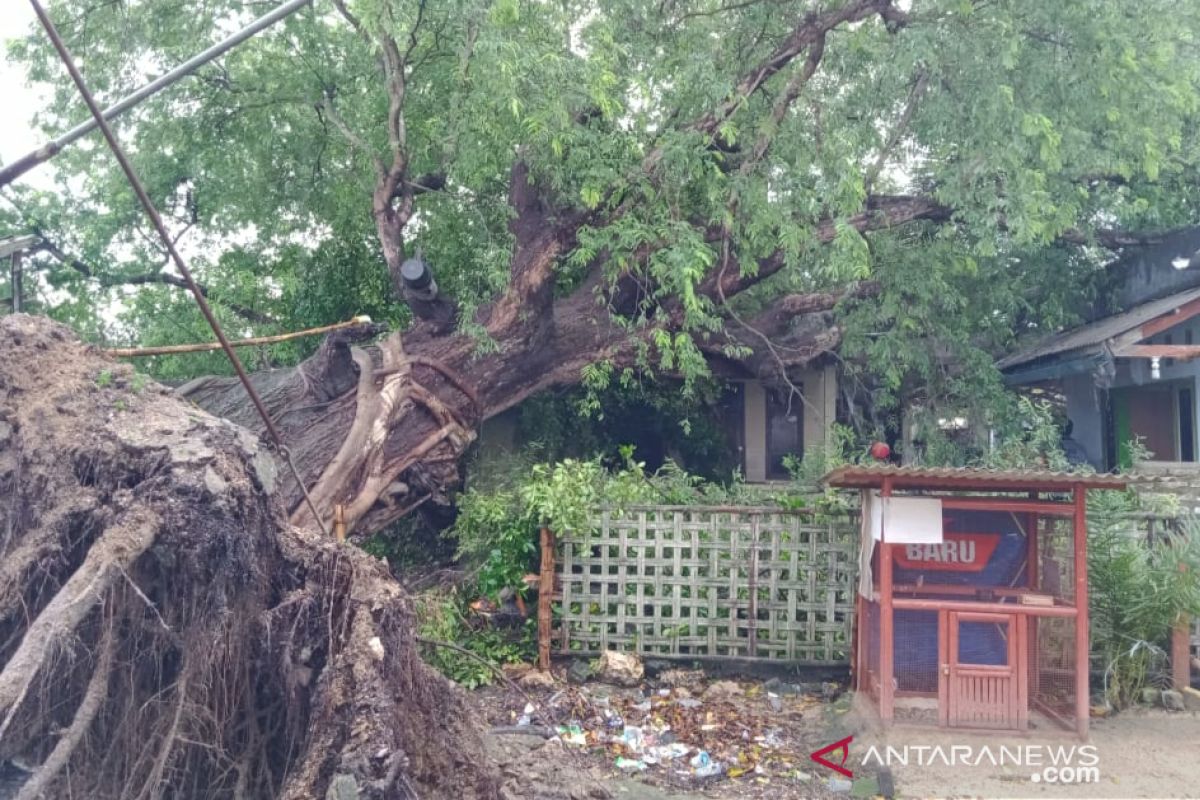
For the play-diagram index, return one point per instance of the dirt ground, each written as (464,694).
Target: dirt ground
(1141,753)
(565,742)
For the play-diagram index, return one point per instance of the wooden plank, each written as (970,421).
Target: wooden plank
(1079,531)
(1183,352)
(925,604)
(954,693)
(1170,319)
(943,662)
(1014,506)
(1181,661)
(887,641)
(1021,660)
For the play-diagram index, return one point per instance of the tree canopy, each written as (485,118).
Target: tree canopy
(942,175)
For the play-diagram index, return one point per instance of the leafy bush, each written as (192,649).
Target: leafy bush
(1138,590)
(444,618)
(497,527)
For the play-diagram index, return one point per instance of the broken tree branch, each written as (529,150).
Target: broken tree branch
(175,349)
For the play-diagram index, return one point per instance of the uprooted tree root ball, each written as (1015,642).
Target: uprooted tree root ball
(165,633)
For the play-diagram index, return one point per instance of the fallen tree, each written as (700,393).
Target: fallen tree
(664,186)
(164,632)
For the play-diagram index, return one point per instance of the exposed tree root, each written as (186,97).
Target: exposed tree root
(93,698)
(166,633)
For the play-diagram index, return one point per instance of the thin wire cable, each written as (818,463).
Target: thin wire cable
(140,190)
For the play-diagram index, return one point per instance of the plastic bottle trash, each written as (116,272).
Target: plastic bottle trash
(573,735)
(632,738)
(630,764)
(713,768)
(839,785)
(668,752)
(701,759)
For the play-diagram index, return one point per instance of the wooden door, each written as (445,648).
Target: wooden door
(983,680)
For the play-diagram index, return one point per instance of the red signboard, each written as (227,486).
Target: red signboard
(958,552)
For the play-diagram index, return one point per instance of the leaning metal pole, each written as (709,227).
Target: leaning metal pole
(10,172)
(152,212)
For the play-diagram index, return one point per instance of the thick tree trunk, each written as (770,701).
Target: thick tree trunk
(381,428)
(164,632)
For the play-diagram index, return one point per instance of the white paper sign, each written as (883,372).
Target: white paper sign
(912,520)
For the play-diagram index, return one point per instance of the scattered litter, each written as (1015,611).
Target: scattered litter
(573,735)
(839,785)
(667,752)
(732,733)
(704,767)
(772,738)
(632,738)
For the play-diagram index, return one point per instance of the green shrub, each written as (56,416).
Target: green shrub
(1137,592)
(444,617)
(497,528)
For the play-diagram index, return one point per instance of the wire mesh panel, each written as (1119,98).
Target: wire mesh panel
(1056,558)
(1052,678)
(709,582)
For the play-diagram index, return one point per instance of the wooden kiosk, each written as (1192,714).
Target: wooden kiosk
(972,606)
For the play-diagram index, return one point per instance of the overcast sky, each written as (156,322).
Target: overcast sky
(19,101)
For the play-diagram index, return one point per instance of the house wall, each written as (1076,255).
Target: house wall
(1086,412)
(498,436)
(1147,273)
(820,412)
(754,405)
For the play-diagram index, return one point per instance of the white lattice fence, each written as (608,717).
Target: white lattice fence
(710,583)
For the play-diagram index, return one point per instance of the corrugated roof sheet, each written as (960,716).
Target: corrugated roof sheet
(1094,334)
(872,476)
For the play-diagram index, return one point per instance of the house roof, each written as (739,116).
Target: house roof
(854,476)
(1090,337)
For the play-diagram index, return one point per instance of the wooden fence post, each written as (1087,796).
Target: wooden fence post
(1181,657)
(545,596)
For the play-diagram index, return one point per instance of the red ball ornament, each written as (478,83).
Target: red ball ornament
(880,451)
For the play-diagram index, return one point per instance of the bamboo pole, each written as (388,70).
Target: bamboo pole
(339,523)
(545,596)
(173,349)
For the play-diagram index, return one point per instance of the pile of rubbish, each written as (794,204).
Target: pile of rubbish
(688,730)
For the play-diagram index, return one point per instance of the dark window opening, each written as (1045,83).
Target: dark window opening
(733,421)
(1187,443)
(785,431)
